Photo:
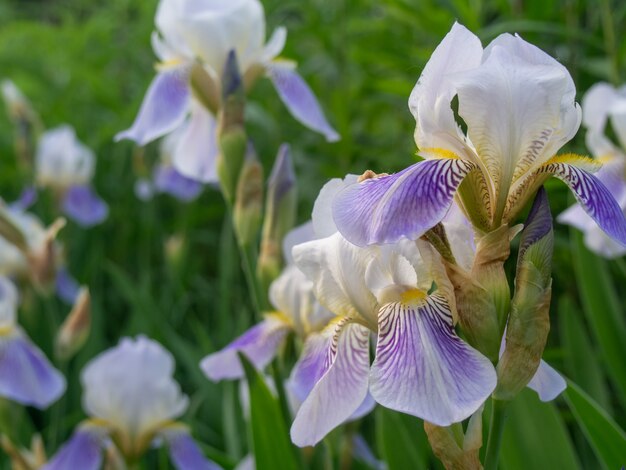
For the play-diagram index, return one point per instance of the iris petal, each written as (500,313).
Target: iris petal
(260,344)
(83,450)
(163,108)
(547,382)
(341,389)
(406,204)
(299,99)
(83,205)
(184,452)
(424,369)
(168,180)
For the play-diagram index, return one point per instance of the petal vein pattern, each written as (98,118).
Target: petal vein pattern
(423,368)
(405,204)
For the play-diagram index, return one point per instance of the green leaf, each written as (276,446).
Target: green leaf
(603,311)
(607,439)
(270,440)
(401,439)
(535,436)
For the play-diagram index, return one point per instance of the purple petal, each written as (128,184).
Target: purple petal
(184,452)
(363,452)
(144,189)
(300,100)
(195,155)
(342,388)
(168,180)
(83,451)
(27,198)
(310,365)
(84,206)
(260,344)
(26,376)
(405,204)
(547,382)
(594,197)
(424,369)
(163,109)
(66,286)
(364,408)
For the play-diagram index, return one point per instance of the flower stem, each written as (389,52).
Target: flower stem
(496,426)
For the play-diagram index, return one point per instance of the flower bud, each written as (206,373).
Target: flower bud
(529,322)
(249,199)
(205,88)
(75,329)
(280,215)
(25,119)
(231,132)
(43,259)
(22,458)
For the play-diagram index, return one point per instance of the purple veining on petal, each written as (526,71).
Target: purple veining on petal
(310,365)
(163,109)
(185,452)
(26,376)
(260,344)
(300,100)
(594,197)
(547,382)
(168,180)
(424,369)
(406,204)
(538,223)
(84,206)
(341,389)
(83,451)
(66,286)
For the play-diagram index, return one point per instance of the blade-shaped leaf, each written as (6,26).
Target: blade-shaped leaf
(607,439)
(270,439)
(401,440)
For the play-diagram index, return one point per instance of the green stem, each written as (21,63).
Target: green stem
(496,426)
(610,43)
(247,256)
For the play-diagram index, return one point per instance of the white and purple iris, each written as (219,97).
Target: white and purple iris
(517,104)
(194,40)
(64,164)
(603,105)
(26,376)
(132,401)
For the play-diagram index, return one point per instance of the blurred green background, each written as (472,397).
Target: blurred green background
(89,63)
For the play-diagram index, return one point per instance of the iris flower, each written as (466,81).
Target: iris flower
(603,105)
(193,41)
(517,106)
(132,401)
(26,376)
(64,164)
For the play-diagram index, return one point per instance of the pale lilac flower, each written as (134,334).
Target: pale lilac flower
(421,366)
(26,376)
(518,106)
(603,105)
(66,165)
(132,400)
(194,39)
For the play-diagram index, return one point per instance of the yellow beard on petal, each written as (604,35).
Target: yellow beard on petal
(413,297)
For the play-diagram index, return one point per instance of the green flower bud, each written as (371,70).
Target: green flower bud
(455,449)
(529,322)
(232,136)
(75,329)
(280,216)
(206,88)
(249,199)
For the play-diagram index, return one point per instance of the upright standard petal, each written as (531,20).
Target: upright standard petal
(593,196)
(406,204)
(83,205)
(184,452)
(341,389)
(547,382)
(260,344)
(423,368)
(163,109)
(26,376)
(299,99)
(195,155)
(83,451)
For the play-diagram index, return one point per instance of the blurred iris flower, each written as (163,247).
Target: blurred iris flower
(193,41)
(26,376)
(132,401)
(603,106)
(67,166)
(517,106)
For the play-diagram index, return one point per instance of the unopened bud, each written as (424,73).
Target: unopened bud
(232,136)
(22,458)
(75,329)
(26,121)
(280,216)
(529,322)
(205,87)
(43,259)
(456,450)
(249,199)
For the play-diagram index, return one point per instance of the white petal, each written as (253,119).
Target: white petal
(547,382)
(322,215)
(275,45)
(300,234)
(596,106)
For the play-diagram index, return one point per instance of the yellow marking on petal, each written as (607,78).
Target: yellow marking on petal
(438,153)
(279,316)
(168,64)
(413,297)
(6,330)
(580,161)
